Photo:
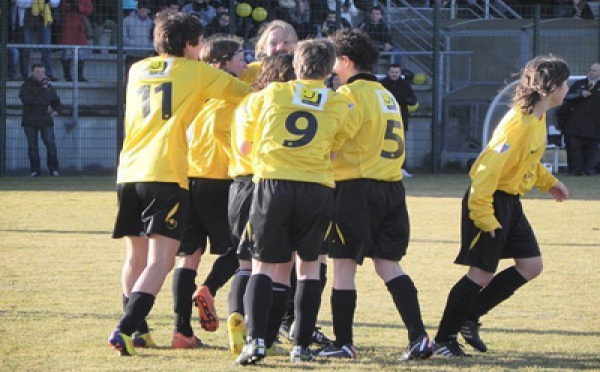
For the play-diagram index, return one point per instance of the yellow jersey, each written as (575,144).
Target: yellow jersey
(239,164)
(376,150)
(511,162)
(164,94)
(209,140)
(294,127)
(250,74)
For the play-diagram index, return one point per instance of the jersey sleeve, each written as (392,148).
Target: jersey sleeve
(484,183)
(222,85)
(544,179)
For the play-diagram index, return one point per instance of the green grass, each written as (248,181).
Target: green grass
(60,291)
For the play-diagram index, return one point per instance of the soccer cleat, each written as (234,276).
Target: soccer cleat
(346,351)
(418,349)
(252,352)
(183,342)
(301,354)
(54,173)
(319,338)
(406,174)
(450,349)
(34,174)
(470,332)
(285,332)
(143,340)
(206,309)
(237,332)
(122,343)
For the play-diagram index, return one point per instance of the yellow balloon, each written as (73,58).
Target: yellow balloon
(420,78)
(259,14)
(413,108)
(243,10)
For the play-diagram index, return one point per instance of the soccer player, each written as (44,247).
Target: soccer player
(368,174)
(277,37)
(291,130)
(493,223)
(274,68)
(162,97)
(208,157)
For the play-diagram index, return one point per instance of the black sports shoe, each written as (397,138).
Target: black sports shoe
(319,338)
(470,332)
(301,354)
(346,351)
(418,349)
(253,351)
(449,349)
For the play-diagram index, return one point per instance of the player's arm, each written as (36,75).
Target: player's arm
(484,183)
(221,85)
(246,120)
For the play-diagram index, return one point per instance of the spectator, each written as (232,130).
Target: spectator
(35,18)
(40,105)
(582,128)
(348,9)
(137,33)
(219,25)
(329,26)
(12,53)
(104,18)
(580,9)
(74,13)
(402,91)
(129,6)
(333,81)
(201,9)
(299,17)
(379,32)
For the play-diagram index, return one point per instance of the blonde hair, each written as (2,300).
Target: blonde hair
(289,33)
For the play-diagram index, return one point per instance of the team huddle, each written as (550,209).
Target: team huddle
(278,172)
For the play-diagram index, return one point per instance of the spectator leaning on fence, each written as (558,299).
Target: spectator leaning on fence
(137,33)
(380,33)
(35,18)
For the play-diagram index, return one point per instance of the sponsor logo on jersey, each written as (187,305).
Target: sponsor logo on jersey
(310,97)
(387,101)
(157,68)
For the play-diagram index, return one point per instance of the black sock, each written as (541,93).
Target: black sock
(184,286)
(138,307)
(278,306)
(257,303)
(308,301)
(405,297)
(143,327)
(222,270)
(343,306)
(502,286)
(460,301)
(288,317)
(323,276)
(237,290)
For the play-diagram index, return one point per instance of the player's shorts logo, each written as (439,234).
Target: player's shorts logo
(170,221)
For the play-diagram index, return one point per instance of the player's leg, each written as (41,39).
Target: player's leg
(236,326)
(184,286)
(281,289)
(404,294)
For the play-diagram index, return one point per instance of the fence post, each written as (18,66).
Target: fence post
(120,82)
(436,87)
(537,15)
(3,79)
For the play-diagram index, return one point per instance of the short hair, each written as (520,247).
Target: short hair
(357,46)
(540,76)
(220,49)
(314,59)
(174,31)
(376,7)
(394,65)
(277,68)
(288,31)
(37,65)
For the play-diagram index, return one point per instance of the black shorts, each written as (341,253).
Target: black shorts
(288,216)
(370,220)
(151,208)
(515,240)
(240,199)
(207,217)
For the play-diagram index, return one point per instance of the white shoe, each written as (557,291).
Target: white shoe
(405,174)
(54,173)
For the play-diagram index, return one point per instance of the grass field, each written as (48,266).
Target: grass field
(60,294)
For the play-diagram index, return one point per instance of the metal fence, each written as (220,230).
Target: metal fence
(464,58)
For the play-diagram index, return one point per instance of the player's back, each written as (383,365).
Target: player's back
(376,151)
(297,125)
(163,96)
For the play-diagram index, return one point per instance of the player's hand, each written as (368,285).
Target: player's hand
(493,232)
(559,192)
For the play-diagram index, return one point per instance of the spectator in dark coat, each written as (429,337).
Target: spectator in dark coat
(40,105)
